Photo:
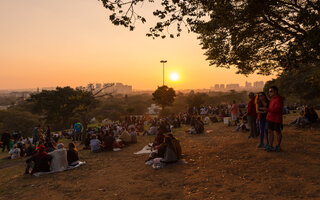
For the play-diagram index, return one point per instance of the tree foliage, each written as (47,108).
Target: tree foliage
(60,105)
(164,96)
(196,99)
(17,120)
(253,35)
(299,86)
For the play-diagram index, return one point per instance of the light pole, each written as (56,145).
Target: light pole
(163,61)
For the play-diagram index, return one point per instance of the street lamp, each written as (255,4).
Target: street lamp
(163,61)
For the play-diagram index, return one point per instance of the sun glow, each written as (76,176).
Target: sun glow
(174,76)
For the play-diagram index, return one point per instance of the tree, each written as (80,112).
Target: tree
(17,120)
(60,105)
(261,36)
(298,86)
(164,96)
(196,99)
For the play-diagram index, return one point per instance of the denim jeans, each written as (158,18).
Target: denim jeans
(263,130)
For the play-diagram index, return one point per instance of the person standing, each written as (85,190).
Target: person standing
(234,111)
(48,134)
(252,115)
(274,118)
(35,136)
(262,104)
(5,138)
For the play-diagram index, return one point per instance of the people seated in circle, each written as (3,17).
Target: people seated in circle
(169,151)
(307,116)
(72,155)
(197,126)
(59,160)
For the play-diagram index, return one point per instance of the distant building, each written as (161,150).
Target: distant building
(248,85)
(48,88)
(221,87)
(90,87)
(216,87)
(258,84)
(98,86)
(122,89)
(80,88)
(232,86)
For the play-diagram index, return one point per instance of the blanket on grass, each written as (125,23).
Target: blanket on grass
(145,150)
(70,167)
(157,164)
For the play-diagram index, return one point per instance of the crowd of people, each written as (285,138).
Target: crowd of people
(263,115)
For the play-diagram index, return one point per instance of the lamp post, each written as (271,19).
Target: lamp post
(163,61)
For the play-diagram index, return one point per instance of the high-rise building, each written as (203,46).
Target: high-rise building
(248,85)
(258,84)
(98,86)
(90,87)
(232,87)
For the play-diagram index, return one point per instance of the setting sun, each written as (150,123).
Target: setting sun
(174,76)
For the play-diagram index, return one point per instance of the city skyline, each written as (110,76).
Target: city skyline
(71,43)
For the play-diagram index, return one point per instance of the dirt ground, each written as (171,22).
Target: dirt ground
(221,165)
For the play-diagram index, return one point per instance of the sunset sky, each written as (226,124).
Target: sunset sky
(71,43)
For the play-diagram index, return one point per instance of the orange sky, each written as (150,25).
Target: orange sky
(71,43)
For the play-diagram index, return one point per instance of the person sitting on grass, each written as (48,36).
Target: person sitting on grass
(159,139)
(133,135)
(39,162)
(59,160)
(152,130)
(199,126)
(176,145)
(87,141)
(166,151)
(30,149)
(95,144)
(307,116)
(108,142)
(72,154)
(14,152)
(125,137)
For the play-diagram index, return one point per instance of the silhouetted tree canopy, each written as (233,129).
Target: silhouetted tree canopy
(164,96)
(261,36)
(60,105)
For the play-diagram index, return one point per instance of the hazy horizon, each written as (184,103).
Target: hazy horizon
(46,43)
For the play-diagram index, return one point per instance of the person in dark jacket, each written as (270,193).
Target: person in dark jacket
(274,118)
(5,138)
(108,142)
(252,116)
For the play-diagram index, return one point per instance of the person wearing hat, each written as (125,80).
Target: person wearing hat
(252,115)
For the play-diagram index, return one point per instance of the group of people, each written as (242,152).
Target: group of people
(267,114)
(307,116)
(57,159)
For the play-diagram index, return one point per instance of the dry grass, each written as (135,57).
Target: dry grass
(221,165)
